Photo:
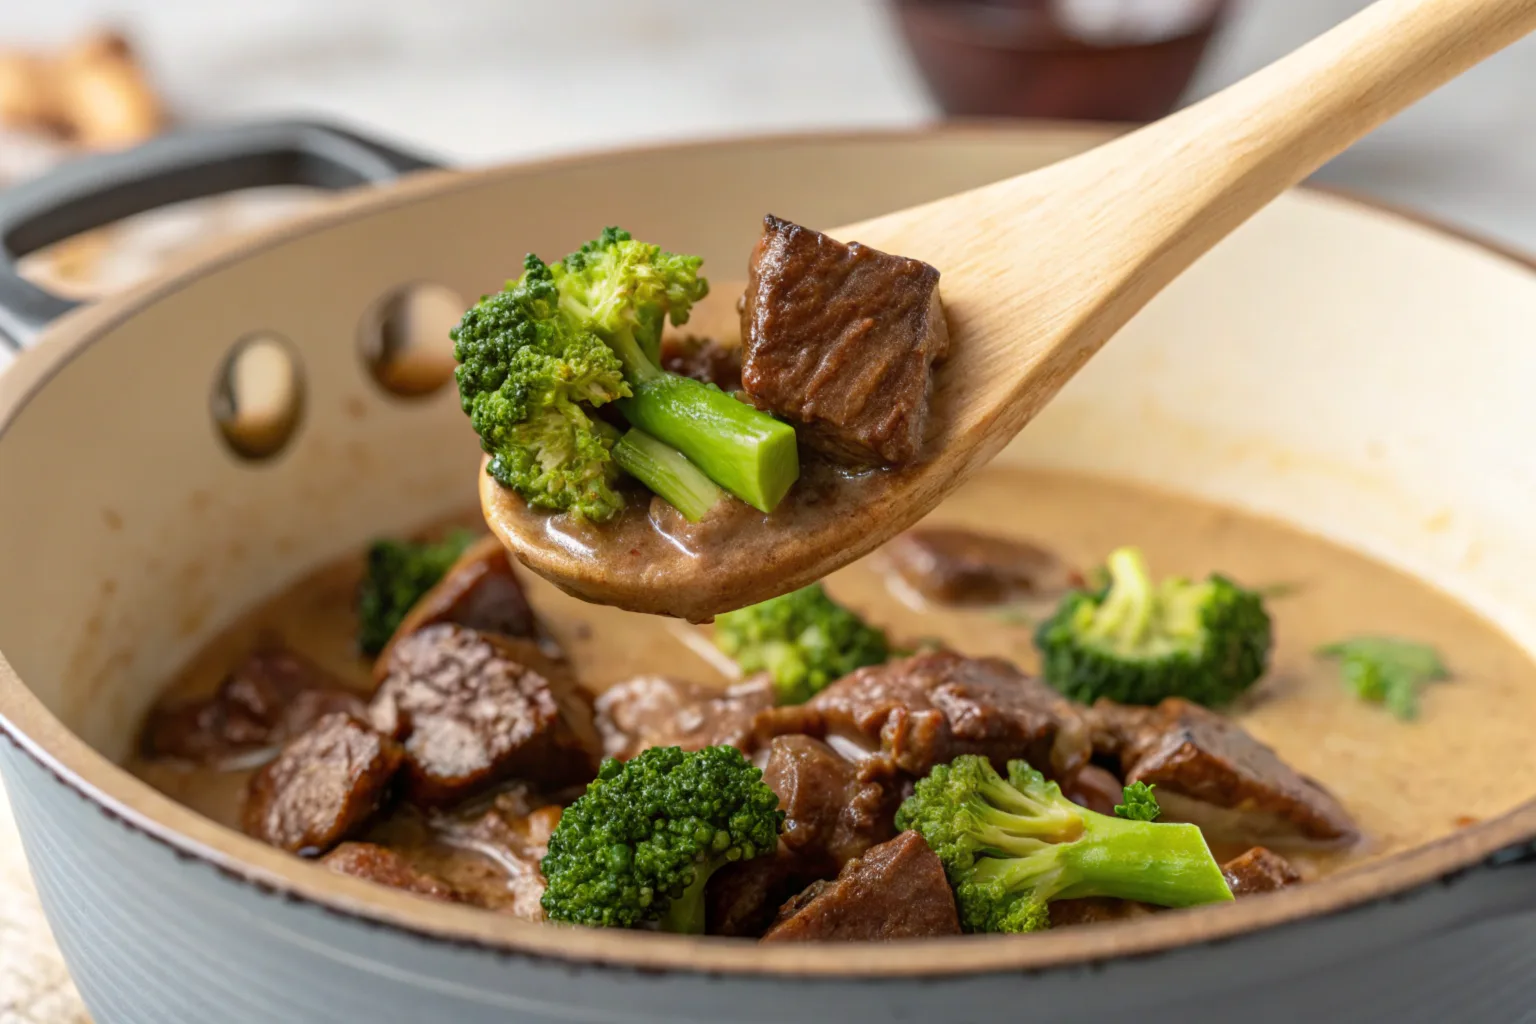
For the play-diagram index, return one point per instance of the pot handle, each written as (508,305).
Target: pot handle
(92,191)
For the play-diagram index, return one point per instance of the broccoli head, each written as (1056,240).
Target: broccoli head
(1136,642)
(804,640)
(627,289)
(528,377)
(537,358)
(1011,846)
(1385,670)
(641,842)
(396,575)
(1140,803)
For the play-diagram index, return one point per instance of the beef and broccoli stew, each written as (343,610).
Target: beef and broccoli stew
(1057,702)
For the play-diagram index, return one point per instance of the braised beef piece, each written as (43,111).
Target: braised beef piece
(473,709)
(656,711)
(324,787)
(386,867)
(1209,771)
(834,810)
(1095,910)
(897,890)
(273,695)
(487,850)
(931,708)
(1094,788)
(703,359)
(955,566)
(479,591)
(841,340)
(1259,870)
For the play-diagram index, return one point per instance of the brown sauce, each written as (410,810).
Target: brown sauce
(1465,758)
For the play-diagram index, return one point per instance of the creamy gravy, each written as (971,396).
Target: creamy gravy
(1464,759)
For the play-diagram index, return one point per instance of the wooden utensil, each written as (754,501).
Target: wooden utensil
(1040,270)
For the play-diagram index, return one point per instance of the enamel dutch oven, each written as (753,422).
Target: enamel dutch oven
(133,526)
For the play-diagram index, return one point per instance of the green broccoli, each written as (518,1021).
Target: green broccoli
(1386,670)
(641,842)
(538,357)
(1140,803)
(1010,847)
(1136,642)
(397,574)
(804,640)
(668,472)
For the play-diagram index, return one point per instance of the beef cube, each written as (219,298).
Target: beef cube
(511,844)
(1208,770)
(954,566)
(273,695)
(742,898)
(1094,788)
(1096,910)
(324,787)
(834,810)
(841,340)
(931,708)
(375,863)
(703,359)
(479,591)
(1259,870)
(473,709)
(895,891)
(655,711)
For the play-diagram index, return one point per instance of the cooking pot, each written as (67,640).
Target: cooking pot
(1340,367)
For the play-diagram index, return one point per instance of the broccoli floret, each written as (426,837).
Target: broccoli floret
(641,843)
(1140,803)
(528,376)
(804,640)
(1136,642)
(1010,847)
(397,574)
(536,358)
(1386,670)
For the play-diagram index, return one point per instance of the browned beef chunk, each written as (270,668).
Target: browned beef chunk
(955,566)
(841,340)
(386,867)
(1259,870)
(324,786)
(473,709)
(488,851)
(741,898)
(834,810)
(1094,788)
(931,708)
(273,696)
(895,891)
(655,711)
(703,359)
(1209,771)
(1095,910)
(479,591)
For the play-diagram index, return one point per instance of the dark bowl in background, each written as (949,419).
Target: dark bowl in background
(1028,59)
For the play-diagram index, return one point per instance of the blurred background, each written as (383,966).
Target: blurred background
(482,81)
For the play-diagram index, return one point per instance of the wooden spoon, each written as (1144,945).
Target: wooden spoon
(1038,272)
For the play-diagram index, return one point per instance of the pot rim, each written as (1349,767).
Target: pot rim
(136,806)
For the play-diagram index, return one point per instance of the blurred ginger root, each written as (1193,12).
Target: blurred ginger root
(93,93)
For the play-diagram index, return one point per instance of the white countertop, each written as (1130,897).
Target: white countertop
(488,80)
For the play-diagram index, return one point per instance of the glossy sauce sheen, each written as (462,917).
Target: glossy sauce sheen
(1405,783)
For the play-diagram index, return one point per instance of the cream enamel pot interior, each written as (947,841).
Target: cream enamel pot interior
(1274,377)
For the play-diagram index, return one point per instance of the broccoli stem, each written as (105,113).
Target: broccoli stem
(742,449)
(685,915)
(1126,614)
(1166,864)
(668,472)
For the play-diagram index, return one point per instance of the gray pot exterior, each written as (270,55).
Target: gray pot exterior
(155,936)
